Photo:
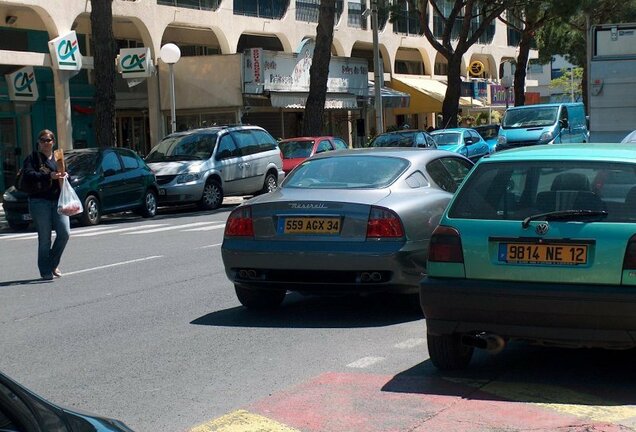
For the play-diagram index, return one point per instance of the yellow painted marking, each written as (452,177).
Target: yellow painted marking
(581,405)
(242,421)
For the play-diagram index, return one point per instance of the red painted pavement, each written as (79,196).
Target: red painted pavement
(339,402)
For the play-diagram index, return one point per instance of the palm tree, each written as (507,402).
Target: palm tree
(104,49)
(319,70)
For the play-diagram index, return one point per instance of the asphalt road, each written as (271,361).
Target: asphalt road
(144,326)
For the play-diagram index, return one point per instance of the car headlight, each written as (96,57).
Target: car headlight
(501,140)
(546,137)
(188,177)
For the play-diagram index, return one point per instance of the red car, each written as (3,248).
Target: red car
(296,150)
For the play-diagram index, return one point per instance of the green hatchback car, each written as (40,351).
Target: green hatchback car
(106,180)
(539,245)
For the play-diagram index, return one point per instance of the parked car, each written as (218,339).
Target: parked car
(204,165)
(23,410)
(556,123)
(352,221)
(404,138)
(296,150)
(106,180)
(489,133)
(466,142)
(630,137)
(538,245)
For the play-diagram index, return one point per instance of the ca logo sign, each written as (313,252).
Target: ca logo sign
(133,63)
(22,83)
(66,50)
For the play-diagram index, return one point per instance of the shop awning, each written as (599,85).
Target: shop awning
(297,100)
(427,94)
(390,98)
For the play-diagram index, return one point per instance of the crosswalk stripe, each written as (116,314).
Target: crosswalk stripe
(168,228)
(91,234)
(208,228)
(365,362)
(410,343)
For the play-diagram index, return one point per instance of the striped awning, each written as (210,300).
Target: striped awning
(297,100)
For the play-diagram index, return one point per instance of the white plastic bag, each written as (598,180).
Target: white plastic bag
(69,203)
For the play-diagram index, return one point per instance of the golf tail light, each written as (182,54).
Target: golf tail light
(384,223)
(629,262)
(445,246)
(239,223)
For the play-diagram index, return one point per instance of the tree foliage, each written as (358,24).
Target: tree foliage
(105,51)
(462,23)
(569,83)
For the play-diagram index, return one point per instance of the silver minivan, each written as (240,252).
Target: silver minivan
(204,165)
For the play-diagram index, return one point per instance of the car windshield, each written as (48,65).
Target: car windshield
(529,117)
(347,172)
(518,190)
(78,164)
(395,139)
(447,138)
(296,149)
(196,146)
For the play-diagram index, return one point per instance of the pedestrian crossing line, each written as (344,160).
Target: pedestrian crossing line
(168,228)
(16,236)
(242,421)
(365,362)
(410,343)
(210,246)
(113,265)
(118,230)
(208,228)
(582,405)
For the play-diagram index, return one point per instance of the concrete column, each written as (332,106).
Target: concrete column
(63,109)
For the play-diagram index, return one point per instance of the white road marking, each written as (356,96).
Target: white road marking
(168,228)
(90,234)
(208,228)
(113,265)
(410,343)
(365,362)
(210,246)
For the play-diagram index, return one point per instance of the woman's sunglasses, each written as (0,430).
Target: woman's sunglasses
(46,140)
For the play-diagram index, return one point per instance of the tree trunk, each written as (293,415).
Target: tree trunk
(319,70)
(104,58)
(522,65)
(450,107)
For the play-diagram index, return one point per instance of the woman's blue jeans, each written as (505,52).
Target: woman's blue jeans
(46,218)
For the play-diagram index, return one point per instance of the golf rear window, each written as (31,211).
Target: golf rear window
(516,190)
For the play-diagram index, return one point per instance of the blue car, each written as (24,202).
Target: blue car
(489,133)
(466,142)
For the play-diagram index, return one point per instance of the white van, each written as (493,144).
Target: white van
(543,124)
(204,165)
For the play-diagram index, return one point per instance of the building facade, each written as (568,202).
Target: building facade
(211,86)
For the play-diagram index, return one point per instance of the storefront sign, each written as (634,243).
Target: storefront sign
(135,63)
(476,68)
(22,85)
(65,53)
(500,95)
(284,72)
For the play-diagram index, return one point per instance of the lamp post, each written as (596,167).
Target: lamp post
(170,54)
(377,78)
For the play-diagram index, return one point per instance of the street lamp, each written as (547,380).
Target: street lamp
(170,54)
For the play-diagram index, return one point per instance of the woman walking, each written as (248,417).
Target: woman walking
(40,167)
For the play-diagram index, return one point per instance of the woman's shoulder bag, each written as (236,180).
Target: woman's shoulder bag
(31,186)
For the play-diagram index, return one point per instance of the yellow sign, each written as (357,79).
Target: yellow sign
(476,68)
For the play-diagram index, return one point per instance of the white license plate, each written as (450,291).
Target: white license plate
(27,217)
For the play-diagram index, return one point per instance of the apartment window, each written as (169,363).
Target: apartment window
(355,9)
(514,35)
(192,4)
(534,67)
(478,18)
(439,24)
(273,9)
(407,21)
(308,10)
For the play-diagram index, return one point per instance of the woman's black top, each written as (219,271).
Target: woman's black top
(37,167)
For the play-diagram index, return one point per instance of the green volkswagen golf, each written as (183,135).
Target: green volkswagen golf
(538,245)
